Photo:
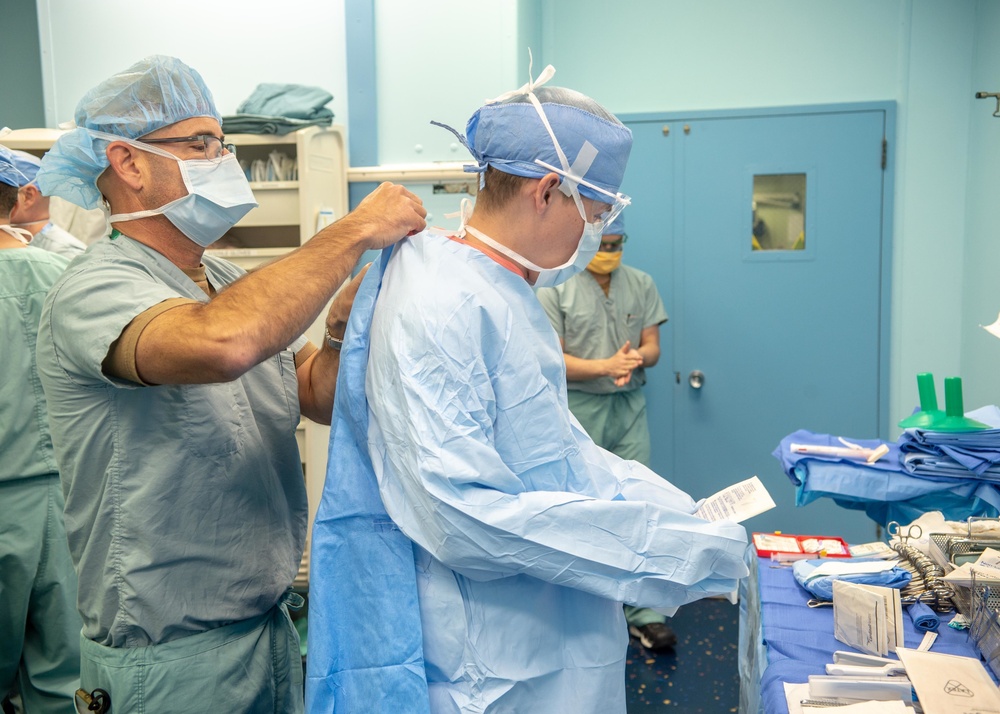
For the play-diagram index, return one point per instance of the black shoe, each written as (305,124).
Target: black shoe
(655,636)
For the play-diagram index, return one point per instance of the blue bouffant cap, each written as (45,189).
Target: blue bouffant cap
(17,168)
(153,93)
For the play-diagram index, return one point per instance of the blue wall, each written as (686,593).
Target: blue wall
(981,295)
(719,54)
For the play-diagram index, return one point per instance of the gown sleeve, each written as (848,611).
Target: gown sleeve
(481,464)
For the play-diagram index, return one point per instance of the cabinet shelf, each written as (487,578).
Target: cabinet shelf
(230,253)
(273,185)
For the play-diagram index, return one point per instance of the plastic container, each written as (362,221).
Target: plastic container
(785,546)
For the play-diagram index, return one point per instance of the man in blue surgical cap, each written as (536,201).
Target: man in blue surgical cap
(31,212)
(174,384)
(474,546)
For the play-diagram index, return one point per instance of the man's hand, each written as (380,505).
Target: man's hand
(343,301)
(385,216)
(622,362)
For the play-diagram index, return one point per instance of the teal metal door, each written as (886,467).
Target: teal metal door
(764,234)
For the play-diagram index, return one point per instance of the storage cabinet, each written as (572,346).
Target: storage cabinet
(289,214)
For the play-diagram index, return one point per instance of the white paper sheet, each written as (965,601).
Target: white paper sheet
(738,502)
(949,684)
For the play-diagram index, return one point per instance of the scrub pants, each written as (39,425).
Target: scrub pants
(39,623)
(251,666)
(617,422)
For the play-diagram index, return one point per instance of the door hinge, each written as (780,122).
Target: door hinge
(885,152)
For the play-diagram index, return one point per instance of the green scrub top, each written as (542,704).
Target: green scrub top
(593,325)
(26,274)
(185,504)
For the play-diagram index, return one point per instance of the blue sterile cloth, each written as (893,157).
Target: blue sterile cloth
(789,460)
(791,641)
(821,586)
(924,619)
(884,490)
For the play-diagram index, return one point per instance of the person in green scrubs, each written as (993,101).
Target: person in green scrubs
(39,624)
(175,383)
(608,320)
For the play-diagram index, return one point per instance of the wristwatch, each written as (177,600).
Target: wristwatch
(334,343)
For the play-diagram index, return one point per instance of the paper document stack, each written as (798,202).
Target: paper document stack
(867,617)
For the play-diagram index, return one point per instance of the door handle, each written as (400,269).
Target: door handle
(696,379)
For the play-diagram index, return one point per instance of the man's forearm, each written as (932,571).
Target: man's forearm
(583,370)
(251,319)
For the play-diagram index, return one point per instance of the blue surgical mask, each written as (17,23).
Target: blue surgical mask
(218,197)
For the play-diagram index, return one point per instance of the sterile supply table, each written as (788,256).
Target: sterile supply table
(784,640)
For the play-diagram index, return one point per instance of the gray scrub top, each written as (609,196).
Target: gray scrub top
(185,504)
(26,274)
(593,325)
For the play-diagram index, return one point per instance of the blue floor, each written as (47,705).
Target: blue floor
(700,675)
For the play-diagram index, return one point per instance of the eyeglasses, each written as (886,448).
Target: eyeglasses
(614,246)
(212,145)
(616,202)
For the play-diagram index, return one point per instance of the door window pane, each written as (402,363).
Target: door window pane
(779,212)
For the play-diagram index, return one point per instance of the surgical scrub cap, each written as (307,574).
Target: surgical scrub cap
(509,136)
(16,167)
(151,94)
(616,227)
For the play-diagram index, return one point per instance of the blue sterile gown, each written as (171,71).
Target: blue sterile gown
(513,538)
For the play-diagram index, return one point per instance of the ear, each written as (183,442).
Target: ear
(544,191)
(123,163)
(29,195)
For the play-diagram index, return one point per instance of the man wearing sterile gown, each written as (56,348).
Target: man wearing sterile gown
(473,545)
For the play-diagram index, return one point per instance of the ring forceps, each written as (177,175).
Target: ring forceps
(896,531)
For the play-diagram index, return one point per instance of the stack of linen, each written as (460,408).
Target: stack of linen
(955,473)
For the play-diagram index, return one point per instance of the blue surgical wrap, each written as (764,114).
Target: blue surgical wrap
(884,490)
(821,586)
(924,619)
(955,454)
(153,93)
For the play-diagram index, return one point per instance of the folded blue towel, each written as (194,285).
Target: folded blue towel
(821,586)
(924,619)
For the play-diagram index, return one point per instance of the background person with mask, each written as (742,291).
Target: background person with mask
(39,624)
(31,211)
(608,320)
(497,584)
(174,384)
